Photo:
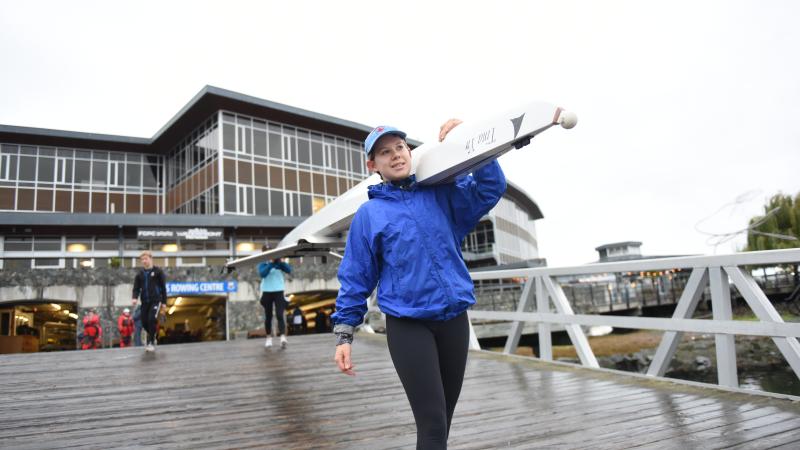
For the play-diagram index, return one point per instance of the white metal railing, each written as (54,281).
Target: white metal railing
(720,272)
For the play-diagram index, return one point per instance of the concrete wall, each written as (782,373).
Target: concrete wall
(109,290)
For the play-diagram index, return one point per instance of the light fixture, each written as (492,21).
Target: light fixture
(56,306)
(169,248)
(87,263)
(73,315)
(245,247)
(76,248)
(171,310)
(66,311)
(179,300)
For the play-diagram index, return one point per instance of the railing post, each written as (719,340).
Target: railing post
(543,306)
(516,327)
(574,331)
(765,312)
(725,343)
(686,306)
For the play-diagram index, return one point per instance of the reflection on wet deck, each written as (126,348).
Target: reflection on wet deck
(239,395)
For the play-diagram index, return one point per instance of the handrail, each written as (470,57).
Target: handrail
(718,272)
(768,257)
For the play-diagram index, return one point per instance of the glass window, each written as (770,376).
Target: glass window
(18,244)
(106,244)
(262,202)
(305,205)
(27,168)
(228,137)
(245,141)
(150,172)
(341,154)
(113,174)
(295,203)
(99,155)
(330,156)
(131,244)
(63,170)
(276,199)
(275,150)
(6,148)
(303,155)
(17,264)
(47,245)
(8,167)
(230,198)
(99,172)
(260,142)
(316,154)
(46,169)
(356,162)
(134,175)
(289,149)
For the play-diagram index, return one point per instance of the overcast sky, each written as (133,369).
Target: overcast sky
(682,106)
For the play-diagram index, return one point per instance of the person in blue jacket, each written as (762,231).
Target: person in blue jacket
(272,294)
(406,240)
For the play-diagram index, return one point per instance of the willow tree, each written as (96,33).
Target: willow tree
(778,228)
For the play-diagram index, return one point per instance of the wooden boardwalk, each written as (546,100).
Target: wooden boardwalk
(239,395)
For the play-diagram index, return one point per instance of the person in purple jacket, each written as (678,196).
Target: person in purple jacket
(406,240)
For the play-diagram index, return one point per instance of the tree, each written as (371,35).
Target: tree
(778,228)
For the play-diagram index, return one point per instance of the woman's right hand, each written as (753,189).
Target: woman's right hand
(342,359)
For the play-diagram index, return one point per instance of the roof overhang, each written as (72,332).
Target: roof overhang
(207,102)
(524,200)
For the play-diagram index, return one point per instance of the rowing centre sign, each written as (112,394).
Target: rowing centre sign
(192,234)
(201,287)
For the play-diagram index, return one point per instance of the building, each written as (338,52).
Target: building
(619,251)
(226,175)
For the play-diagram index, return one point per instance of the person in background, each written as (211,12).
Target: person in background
(126,328)
(298,321)
(92,331)
(321,322)
(150,286)
(272,284)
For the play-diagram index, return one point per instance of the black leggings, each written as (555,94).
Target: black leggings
(267,299)
(430,358)
(149,320)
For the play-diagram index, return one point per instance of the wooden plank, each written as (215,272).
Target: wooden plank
(239,395)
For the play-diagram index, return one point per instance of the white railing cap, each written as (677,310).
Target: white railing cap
(658,264)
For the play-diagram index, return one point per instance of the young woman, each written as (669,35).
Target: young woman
(407,240)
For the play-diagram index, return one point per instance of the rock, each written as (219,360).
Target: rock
(702,363)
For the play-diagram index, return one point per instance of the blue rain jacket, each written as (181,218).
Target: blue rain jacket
(407,241)
(271,276)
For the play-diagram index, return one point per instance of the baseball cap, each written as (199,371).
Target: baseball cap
(378,133)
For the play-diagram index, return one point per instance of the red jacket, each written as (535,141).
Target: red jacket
(125,325)
(91,326)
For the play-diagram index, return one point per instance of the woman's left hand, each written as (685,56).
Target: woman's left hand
(447,126)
